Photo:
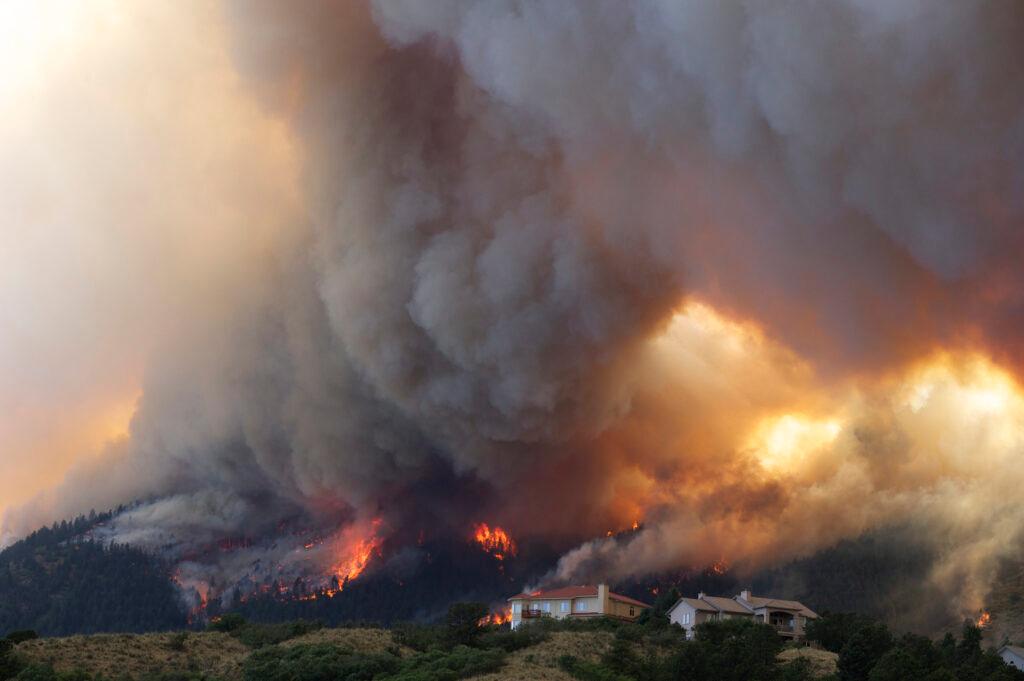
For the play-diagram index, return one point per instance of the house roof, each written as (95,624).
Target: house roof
(728,605)
(567,592)
(738,606)
(695,603)
(1016,650)
(758,602)
(627,599)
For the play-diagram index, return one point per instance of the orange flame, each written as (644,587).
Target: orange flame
(984,620)
(202,590)
(356,556)
(719,567)
(497,618)
(497,542)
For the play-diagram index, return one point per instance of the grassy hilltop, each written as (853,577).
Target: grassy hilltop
(853,648)
(213,655)
(459,649)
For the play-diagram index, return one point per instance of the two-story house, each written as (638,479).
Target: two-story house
(787,617)
(574,601)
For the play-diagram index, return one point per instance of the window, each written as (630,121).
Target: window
(631,613)
(565,606)
(581,606)
(515,607)
(686,618)
(547,606)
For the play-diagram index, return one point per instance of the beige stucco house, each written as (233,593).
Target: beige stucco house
(788,617)
(574,601)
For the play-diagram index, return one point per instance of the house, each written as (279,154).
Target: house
(574,601)
(788,617)
(1013,656)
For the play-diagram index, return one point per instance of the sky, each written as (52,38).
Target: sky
(132,163)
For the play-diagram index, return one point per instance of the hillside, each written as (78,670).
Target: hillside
(464,647)
(221,656)
(59,581)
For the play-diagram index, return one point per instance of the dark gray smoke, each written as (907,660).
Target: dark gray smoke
(529,224)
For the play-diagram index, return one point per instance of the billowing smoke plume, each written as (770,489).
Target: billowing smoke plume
(747,271)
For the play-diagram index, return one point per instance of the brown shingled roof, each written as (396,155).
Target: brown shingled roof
(626,599)
(727,605)
(780,604)
(696,604)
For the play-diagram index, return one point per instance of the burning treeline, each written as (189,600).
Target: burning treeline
(750,273)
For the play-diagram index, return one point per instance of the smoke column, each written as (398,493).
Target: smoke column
(746,271)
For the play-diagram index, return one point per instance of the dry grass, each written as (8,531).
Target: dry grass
(221,656)
(212,653)
(359,640)
(540,662)
(114,655)
(822,662)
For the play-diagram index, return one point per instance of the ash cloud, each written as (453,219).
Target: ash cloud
(590,249)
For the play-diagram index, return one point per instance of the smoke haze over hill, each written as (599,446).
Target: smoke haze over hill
(747,272)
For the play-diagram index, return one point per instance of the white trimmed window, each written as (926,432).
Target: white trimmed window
(686,618)
(547,606)
(581,606)
(516,607)
(565,606)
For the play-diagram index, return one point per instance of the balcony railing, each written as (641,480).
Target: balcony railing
(530,613)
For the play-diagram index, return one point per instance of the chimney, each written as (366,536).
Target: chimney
(745,595)
(700,596)
(602,599)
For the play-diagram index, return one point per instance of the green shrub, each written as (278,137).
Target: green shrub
(259,635)
(174,676)
(463,622)
(634,634)
(588,671)
(510,641)
(799,669)
(177,641)
(864,649)
(22,635)
(623,659)
(833,629)
(459,663)
(9,664)
(319,662)
(228,623)
(256,635)
(47,673)
(419,637)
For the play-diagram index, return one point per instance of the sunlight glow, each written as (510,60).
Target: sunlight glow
(780,442)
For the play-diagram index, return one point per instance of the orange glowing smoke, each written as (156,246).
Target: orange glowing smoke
(719,567)
(497,542)
(984,620)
